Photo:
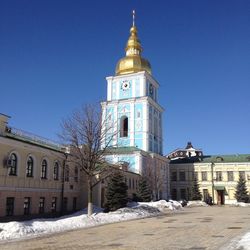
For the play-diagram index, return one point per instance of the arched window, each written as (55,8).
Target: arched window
(56,171)
(13,164)
(44,169)
(30,165)
(124,126)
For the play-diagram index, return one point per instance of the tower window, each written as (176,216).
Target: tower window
(124,127)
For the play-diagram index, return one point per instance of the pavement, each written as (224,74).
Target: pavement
(196,228)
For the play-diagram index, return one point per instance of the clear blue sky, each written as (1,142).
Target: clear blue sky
(55,55)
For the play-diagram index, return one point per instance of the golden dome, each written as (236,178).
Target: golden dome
(133,62)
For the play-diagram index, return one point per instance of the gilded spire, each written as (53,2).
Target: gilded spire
(133,44)
(133,62)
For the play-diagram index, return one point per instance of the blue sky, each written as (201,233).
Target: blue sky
(55,55)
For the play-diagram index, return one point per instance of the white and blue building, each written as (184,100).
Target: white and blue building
(133,118)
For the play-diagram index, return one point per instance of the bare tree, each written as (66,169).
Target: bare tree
(86,133)
(155,176)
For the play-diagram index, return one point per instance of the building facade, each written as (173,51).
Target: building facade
(35,178)
(217,176)
(133,116)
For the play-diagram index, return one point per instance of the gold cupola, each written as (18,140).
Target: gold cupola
(133,62)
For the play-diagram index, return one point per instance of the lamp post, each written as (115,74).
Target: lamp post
(66,154)
(212,175)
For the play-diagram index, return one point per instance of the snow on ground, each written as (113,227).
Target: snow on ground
(15,230)
(197,204)
(244,242)
(240,204)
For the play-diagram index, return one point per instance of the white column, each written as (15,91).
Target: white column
(145,114)
(133,87)
(109,90)
(116,124)
(132,124)
(143,82)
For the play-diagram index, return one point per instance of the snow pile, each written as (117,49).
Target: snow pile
(244,242)
(14,230)
(162,205)
(240,204)
(197,204)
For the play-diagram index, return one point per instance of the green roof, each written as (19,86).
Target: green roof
(227,158)
(122,150)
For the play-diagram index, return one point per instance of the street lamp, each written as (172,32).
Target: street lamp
(212,175)
(66,154)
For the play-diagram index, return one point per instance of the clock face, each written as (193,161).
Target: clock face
(125,85)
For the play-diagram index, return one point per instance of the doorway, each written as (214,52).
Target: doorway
(220,197)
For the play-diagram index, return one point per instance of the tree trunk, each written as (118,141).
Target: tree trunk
(90,197)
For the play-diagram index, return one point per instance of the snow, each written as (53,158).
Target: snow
(240,204)
(17,230)
(197,204)
(244,242)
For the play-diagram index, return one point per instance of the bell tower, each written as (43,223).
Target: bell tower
(132,101)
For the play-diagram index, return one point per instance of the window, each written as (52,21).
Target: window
(133,183)
(76,174)
(41,205)
(44,169)
(174,194)
(242,174)
(65,204)
(183,193)
(66,176)
(205,195)
(74,203)
(182,176)
(230,175)
(13,164)
(204,176)
(174,176)
(30,165)
(56,171)
(26,205)
(129,183)
(195,175)
(53,204)
(218,176)
(10,206)
(124,126)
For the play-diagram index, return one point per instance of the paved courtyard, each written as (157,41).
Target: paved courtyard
(192,228)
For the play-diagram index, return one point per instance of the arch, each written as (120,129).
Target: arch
(124,126)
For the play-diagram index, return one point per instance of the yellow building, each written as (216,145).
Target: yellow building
(37,179)
(31,173)
(217,176)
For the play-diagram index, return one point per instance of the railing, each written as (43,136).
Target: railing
(14,132)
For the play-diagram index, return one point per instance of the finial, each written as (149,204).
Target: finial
(133,13)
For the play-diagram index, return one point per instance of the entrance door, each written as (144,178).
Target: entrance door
(220,197)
